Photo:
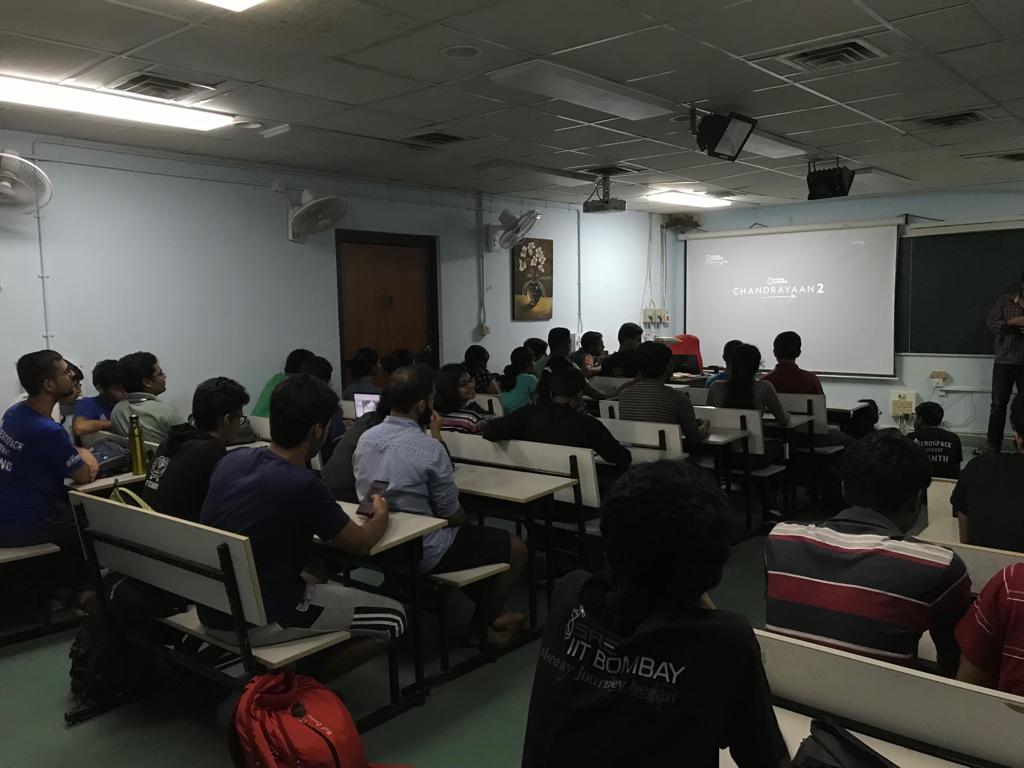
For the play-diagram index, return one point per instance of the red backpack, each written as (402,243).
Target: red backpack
(284,720)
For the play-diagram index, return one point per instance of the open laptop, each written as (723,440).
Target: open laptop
(685,364)
(365,404)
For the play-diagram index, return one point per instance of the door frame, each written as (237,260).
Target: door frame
(428,243)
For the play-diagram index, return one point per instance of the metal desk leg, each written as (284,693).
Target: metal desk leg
(415,553)
(549,547)
(531,567)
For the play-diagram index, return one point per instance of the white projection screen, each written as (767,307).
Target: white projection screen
(835,287)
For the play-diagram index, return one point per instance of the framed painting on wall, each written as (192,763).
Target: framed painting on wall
(533,262)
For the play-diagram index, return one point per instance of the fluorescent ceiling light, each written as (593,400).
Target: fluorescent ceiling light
(690,199)
(32,93)
(768,146)
(558,82)
(233,5)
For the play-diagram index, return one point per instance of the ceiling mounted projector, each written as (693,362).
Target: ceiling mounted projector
(824,183)
(722,136)
(606,203)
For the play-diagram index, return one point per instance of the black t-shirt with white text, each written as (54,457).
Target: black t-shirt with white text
(990,494)
(943,449)
(620,365)
(622,683)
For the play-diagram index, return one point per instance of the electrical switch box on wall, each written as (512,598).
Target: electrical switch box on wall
(654,316)
(902,403)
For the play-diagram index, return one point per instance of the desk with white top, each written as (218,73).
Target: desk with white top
(253,444)
(523,488)
(402,528)
(108,483)
(722,436)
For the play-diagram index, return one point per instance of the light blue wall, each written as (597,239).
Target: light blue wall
(189,258)
(965,412)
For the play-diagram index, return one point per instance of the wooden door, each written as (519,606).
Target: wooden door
(387,293)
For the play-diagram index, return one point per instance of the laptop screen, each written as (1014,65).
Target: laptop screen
(365,404)
(685,364)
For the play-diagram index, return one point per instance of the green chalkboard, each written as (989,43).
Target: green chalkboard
(946,284)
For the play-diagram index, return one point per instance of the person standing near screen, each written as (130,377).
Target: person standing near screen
(1006,321)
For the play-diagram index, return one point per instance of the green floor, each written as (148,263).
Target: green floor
(474,722)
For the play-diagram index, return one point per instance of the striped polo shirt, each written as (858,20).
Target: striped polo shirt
(856,583)
(991,635)
(652,400)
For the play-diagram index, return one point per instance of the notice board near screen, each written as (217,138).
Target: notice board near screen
(946,284)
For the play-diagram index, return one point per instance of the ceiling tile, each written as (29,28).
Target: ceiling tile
(827,137)
(571,111)
(901,9)
(712,171)
(811,120)
(515,123)
(996,129)
(196,144)
(890,42)
(641,54)
(768,101)
(418,55)
(984,60)
(186,10)
(886,78)
(761,25)
(1003,87)
(509,149)
(434,10)
(629,150)
(583,137)
(878,146)
(112,68)
(1016,107)
(85,22)
(1005,15)
(348,83)
(326,163)
(482,85)
(257,101)
(330,27)
(438,104)
(940,100)
(722,77)
(369,122)
(208,50)
(954,171)
(22,57)
(52,123)
(540,26)
(949,29)
(675,161)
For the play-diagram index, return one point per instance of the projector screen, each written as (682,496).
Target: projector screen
(835,287)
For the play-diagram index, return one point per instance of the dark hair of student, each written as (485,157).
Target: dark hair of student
(75,371)
(400,358)
(567,382)
(788,345)
(362,363)
(106,374)
(408,386)
(630,331)
(931,414)
(538,347)
(745,363)
(216,398)
(136,367)
(476,358)
(295,359)
(653,359)
(446,388)
(729,348)
(318,366)
(665,526)
(297,404)
(590,339)
(521,361)
(35,368)
(884,471)
(558,336)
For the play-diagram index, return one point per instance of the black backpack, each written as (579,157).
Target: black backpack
(832,746)
(112,457)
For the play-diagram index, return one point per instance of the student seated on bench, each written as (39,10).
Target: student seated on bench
(744,390)
(454,401)
(92,414)
(651,399)
(338,472)
(557,421)
(36,455)
(518,383)
(321,368)
(421,480)
(644,664)
(991,635)
(942,446)
(787,376)
(987,497)
(622,364)
(269,495)
(475,362)
(179,474)
(292,364)
(857,582)
(144,379)
(723,375)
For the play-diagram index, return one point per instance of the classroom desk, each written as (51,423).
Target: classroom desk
(253,444)
(796,727)
(796,420)
(722,437)
(402,528)
(945,530)
(845,409)
(108,483)
(527,489)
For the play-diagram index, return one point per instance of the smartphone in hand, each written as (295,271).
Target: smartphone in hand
(377,488)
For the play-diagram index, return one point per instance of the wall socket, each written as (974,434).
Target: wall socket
(654,316)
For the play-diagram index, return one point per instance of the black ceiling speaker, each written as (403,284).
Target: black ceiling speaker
(723,136)
(823,183)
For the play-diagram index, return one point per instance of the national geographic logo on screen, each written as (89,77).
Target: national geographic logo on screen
(780,288)
(715,260)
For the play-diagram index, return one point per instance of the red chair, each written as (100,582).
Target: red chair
(688,344)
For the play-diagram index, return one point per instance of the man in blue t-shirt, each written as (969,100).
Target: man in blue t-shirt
(92,414)
(269,495)
(36,455)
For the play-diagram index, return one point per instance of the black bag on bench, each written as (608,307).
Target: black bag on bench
(832,746)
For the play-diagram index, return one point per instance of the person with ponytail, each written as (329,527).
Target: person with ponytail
(519,382)
(362,369)
(744,390)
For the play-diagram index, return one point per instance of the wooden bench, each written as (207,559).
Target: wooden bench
(647,440)
(929,714)
(940,504)
(446,582)
(203,565)
(490,404)
(17,554)
(26,581)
